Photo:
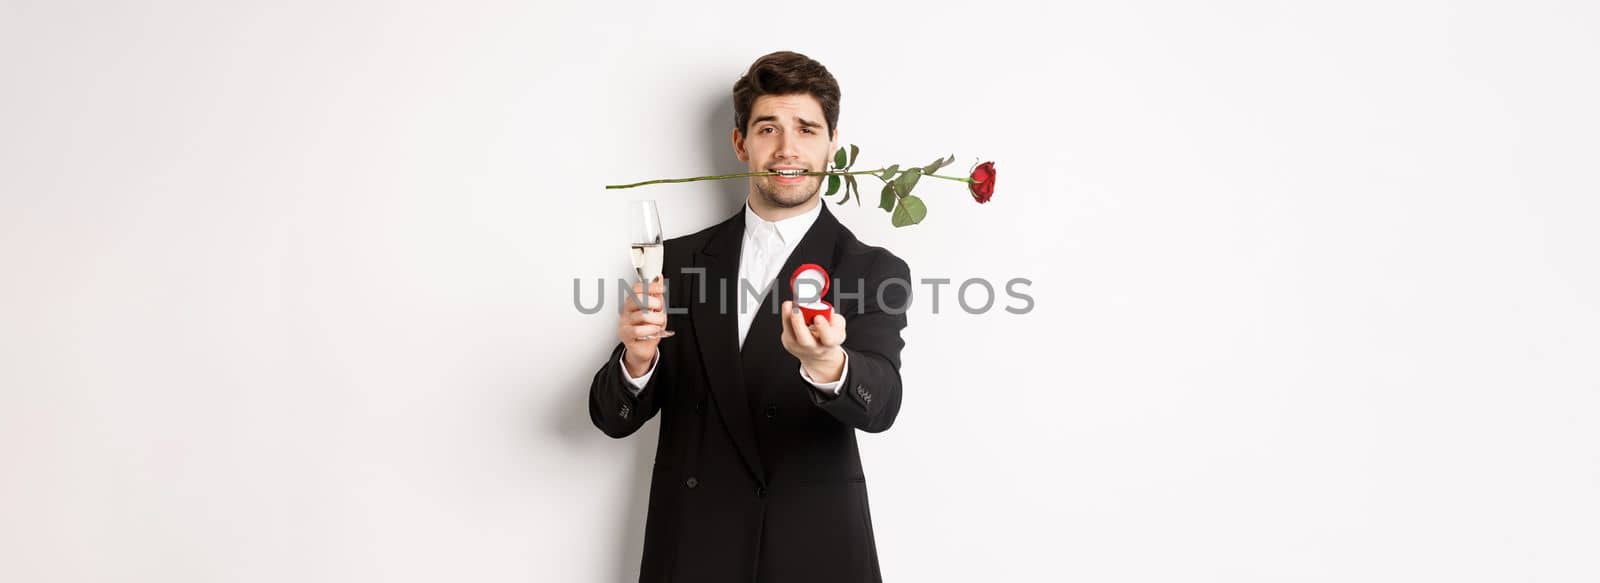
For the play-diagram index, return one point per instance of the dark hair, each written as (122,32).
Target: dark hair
(785,73)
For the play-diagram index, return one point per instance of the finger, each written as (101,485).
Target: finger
(830,332)
(785,309)
(657,287)
(802,335)
(643,331)
(632,302)
(639,317)
(818,324)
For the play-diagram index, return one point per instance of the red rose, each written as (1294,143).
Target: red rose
(982,185)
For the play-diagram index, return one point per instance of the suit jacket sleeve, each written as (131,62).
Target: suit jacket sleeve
(613,406)
(870,395)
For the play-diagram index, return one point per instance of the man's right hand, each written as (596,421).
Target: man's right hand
(640,329)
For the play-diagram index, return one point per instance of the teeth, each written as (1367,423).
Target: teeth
(789,172)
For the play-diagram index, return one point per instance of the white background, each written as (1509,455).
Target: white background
(287,286)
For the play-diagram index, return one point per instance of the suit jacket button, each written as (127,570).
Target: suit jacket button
(761,492)
(700,408)
(865,395)
(772,411)
(623,412)
(691,482)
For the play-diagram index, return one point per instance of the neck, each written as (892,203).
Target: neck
(767,212)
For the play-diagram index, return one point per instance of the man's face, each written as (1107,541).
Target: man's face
(785,131)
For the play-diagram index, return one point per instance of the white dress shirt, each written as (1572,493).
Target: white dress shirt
(765,247)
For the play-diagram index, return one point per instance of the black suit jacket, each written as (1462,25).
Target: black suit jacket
(757,475)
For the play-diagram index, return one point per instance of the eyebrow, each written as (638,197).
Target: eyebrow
(803,121)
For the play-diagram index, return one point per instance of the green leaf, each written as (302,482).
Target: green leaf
(910,211)
(886,200)
(937,164)
(906,181)
(888,173)
(838,158)
(833,184)
(853,151)
(846,197)
(850,181)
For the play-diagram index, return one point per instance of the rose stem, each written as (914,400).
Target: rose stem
(745,174)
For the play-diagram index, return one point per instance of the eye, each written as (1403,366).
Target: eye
(809,131)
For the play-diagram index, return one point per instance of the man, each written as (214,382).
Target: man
(757,475)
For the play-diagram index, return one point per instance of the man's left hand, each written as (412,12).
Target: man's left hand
(817,345)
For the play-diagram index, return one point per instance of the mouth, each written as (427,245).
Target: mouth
(788,175)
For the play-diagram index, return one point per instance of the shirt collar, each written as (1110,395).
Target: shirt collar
(790,229)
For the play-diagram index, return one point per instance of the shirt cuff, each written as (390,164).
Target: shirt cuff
(833,387)
(644,379)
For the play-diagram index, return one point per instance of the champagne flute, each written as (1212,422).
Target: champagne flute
(648,253)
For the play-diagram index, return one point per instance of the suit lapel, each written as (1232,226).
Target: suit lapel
(716,330)
(715,321)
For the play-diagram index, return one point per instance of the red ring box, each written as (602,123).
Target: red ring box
(810,273)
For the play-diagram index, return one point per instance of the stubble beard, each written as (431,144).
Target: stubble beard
(788,196)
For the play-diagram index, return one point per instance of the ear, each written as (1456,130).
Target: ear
(833,146)
(738,146)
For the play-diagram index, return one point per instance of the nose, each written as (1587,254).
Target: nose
(786,149)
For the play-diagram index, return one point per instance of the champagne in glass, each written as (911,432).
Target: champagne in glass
(647,259)
(645,239)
